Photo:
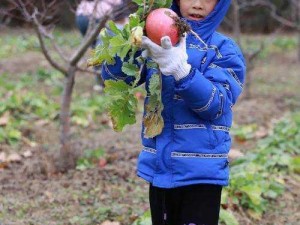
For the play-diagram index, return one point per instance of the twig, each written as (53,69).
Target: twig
(46,53)
(85,70)
(241,211)
(198,37)
(87,41)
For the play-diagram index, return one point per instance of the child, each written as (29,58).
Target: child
(187,164)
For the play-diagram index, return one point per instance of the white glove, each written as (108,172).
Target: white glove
(171,60)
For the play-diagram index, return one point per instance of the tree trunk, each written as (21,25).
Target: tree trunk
(67,156)
(298,30)
(247,90)
(236,22)
(298,45)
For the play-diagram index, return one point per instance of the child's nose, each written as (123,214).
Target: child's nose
(197,4)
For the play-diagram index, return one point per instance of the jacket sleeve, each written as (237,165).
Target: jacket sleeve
(114,72)
(213,93)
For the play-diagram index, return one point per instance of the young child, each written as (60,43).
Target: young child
(187,164)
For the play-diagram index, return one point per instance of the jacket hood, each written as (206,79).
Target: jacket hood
(210,24)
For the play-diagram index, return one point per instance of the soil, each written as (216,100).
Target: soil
(32,192)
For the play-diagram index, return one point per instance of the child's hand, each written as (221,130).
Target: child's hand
(171,60)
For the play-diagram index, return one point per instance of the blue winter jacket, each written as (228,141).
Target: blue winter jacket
(194,144)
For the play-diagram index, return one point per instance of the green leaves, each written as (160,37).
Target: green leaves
(89,159)
(123,104)
(145,219)
(228,218)
(130,69)
(258,176)
(119,46)
(101,52)
(153,4)
(125,44)
(253,192)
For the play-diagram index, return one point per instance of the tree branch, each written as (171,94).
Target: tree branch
(273,11)
(95,29)
(85,70)
(40,31)
(89,38)
(46,53)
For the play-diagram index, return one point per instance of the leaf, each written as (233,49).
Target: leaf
(154,86)
(14,157)
(295,164)
(14,134)
(117,46)
(152,65)
(134,20)
(139,2)
(254,214)
(145,219)
(101,54)
(108,222)
(123,103)
(112,26)
(130,69)
(254,193)
(4,119)
(163,4)
(124,51)
(136,36)
(105,37)
(3,157)
(82,121)
(27,154)
(153,123)
(122,113)
(116,88)
(227,217)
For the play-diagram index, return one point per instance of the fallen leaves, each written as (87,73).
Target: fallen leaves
(107,222)
(14,157)
(235,154)
(4,119)
(6,159)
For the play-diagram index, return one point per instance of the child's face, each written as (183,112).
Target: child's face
(196,9)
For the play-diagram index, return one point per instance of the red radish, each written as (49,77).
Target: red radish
(159,23)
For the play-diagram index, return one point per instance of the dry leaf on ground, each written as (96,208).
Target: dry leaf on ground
(107,222)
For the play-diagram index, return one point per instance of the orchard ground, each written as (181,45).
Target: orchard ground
(31,192)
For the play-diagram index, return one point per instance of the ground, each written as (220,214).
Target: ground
(31,192)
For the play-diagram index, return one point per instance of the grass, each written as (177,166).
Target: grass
(15,43)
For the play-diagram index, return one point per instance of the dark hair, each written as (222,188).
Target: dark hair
(123,10)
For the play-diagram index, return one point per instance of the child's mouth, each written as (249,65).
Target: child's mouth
(196,16)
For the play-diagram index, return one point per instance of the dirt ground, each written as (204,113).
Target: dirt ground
(30,193)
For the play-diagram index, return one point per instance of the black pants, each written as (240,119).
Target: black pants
(190,205)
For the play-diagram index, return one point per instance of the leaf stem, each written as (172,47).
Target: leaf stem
(138,77)
(198,37)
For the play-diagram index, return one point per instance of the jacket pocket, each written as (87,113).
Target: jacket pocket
(191,166)
(218,134)
(147,161)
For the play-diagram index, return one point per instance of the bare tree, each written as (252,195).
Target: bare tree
(236,21)
(41,14)
(290,19)
(252,55)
